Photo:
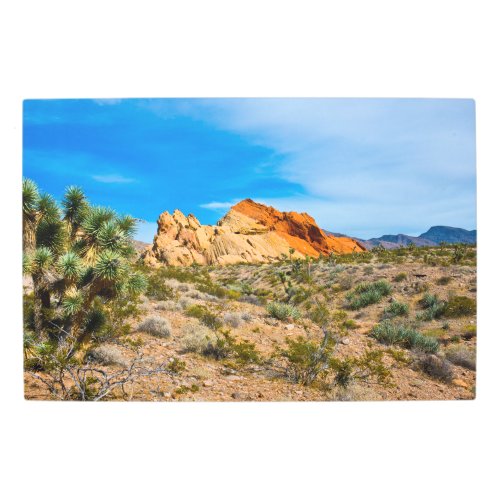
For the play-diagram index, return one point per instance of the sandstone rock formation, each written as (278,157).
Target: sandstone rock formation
(249,232)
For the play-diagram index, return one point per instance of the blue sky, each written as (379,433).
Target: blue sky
(363,167)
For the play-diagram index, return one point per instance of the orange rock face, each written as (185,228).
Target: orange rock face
(300,230)
(249,232)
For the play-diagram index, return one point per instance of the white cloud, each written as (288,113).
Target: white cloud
(367,166)
(218,205)
(113,179)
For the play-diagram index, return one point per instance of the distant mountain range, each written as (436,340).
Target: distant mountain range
(432,237)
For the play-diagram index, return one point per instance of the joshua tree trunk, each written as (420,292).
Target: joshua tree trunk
(38,306)
(41,304)
(28,236)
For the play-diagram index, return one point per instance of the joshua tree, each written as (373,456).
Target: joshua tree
(459,252)
(78,258)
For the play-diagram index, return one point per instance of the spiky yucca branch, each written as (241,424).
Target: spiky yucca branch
(78,256)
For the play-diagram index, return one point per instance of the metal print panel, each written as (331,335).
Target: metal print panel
(249,249)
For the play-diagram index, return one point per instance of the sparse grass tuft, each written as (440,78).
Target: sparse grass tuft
(157,326)
(107,355)
(366,294)
(390,333)
(436,333)
(345,282)
(462,356)
(282,311)
(433,308)
(197,338)
(400,277)
(429,300)
(396,309)
(436,367)
(246,317)
(232,319)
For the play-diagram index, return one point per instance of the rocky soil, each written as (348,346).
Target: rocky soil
(244,314)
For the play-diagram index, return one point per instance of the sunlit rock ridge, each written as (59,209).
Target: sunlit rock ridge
(249,233)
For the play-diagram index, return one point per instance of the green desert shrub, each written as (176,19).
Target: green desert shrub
(458,306)
(400,277)
(282,311)
(299,294)
(350,324)
(176,366)
(320,314)
(219,349)
(185,389)
(157,288)
(206,317)
(351,369)
(429,300)
(243,351)
(306,360)
(396,309)
(399,356)
(381,286)
(462,356)
(399,334)
(433,312)
(469,332)
(216,290)
(433,307)
(221,345)
(366,294)
(359,301)
(156,326)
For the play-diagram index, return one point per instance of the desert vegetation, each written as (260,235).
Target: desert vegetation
(100,324)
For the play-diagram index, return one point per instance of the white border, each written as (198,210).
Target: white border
(228,48)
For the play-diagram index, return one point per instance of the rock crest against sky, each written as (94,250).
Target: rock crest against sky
(249,232)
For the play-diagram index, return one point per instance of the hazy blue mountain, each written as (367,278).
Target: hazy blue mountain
(450,235)
(432,237)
